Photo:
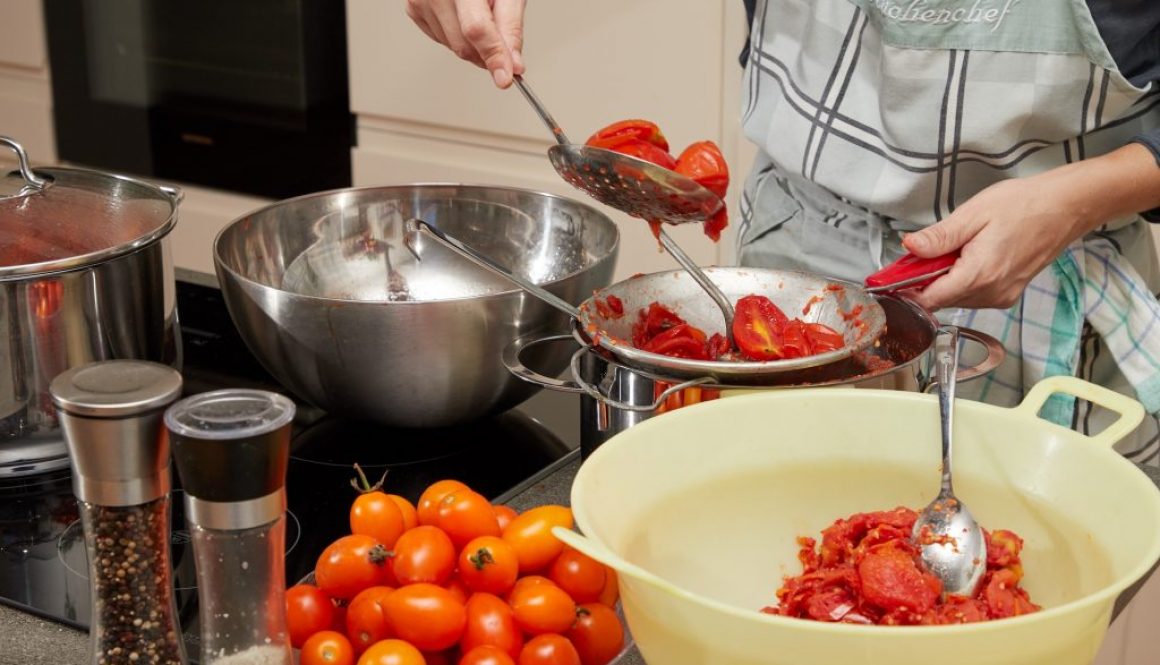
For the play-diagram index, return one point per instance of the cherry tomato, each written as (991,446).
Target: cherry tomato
(308,611)
(637,148)
(486,655)
(392,652)
(465,515)
(374,514)
(326,647)
(822,338)
(427,616)
(637,129)
(410,515)
(580,576)
(542,608)
(530,535)
(549,650)
(611,591)
(457,589)
(489,564)
(652,322)
(428,509)
(366,618)
(683,341)
(423,554)
(349,565)
(504,515)
(490,621)
(704,163)
(793,340)
(597,634)
(758,325)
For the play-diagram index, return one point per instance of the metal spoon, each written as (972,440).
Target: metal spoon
(954,548)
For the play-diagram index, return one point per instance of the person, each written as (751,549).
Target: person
(1024,134)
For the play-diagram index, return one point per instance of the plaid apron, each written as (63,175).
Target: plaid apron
(877,117)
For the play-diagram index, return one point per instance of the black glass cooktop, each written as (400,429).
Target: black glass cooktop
(43,566)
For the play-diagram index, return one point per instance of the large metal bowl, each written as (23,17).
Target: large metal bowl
(325,294)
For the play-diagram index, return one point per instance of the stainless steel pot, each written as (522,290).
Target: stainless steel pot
(614,397)
(85,275)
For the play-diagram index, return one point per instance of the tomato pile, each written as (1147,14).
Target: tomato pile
(454,580)
(868,571)
(701,162)
(760,329)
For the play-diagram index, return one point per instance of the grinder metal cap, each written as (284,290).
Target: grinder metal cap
(111,415)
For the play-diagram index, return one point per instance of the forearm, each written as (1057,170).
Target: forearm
(1101,189)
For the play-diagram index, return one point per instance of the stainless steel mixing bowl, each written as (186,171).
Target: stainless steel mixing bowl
(327,297)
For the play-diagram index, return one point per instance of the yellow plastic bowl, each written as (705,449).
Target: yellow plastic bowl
(698,511)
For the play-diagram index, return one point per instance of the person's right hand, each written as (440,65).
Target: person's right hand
(489,33)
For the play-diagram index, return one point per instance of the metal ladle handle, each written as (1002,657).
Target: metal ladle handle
(31,178)
(541,110)
(703,280)
(415,227)
(946,358)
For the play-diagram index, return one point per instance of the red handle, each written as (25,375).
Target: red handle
(909,270)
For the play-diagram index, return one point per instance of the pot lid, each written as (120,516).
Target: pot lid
(58,219)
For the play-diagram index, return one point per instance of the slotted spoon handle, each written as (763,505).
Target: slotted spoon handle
(541,110)
(703,280)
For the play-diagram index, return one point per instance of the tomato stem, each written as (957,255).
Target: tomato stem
(363,485)
(379,555)
(481,558)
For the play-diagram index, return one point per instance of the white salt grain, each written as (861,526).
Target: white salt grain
(257,655)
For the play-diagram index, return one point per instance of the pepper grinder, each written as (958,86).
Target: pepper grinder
(111,414)
(231,449)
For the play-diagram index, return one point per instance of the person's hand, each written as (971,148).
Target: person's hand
(488,33)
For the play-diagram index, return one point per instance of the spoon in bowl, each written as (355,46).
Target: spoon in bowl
(951,541)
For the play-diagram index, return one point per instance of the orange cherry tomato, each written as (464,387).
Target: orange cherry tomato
(486,655)
(349,565)
(427,616)
(504,515)
(308,611)
(428,509)
(703,162)
(392,652)
(366,618)
(491,622)
(580,576)
(410,515)
(423,554)
(374,514)
(457,589)
(527,582)
(530,535)
(597,634)
(465,515)
(542,608)
(548,650)
(489,564)
(611,591)
(326,647)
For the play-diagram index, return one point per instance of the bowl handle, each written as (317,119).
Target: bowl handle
(512,360)
(1131,412)
(595,550)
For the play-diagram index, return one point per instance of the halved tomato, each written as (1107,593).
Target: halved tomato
(643,130)
(758,326)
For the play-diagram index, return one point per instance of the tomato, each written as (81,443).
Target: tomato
(530,535)
(374,514)
(428,509)
(423,554)
(486,655)
(793,340)
(464,515)
(542,608)
(349,565)
(504,515)
(308,611)
(326,647)
(580,576)
(410,515)
(489,564)
(716,224)
(366,618)
(636,129)
(392,652)
(527,582)
(440,657)
(426,615)
(597,634)
(892,580)
(491,622)
(549,650)
(757,328)
(822,338)
(637,148)
(457,589)
(652,322)
(704,163)
(611,591)
(683,341)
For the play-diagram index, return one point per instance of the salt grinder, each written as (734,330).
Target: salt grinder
(231,449)
(111,413)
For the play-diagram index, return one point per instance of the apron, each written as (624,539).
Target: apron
(877,117)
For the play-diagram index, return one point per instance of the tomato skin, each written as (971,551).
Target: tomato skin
(489,564)
(549,650)
(703,162)
(326,647)
(530,535)
(504,515)
(682,341)
(392,652)
(374,514)
(580,576)
(643,130)
(716,224)
(758,326)
(465,515)
(822,338)
(542,608)
(427,616)
(366,618)
(486,655)
(597,634)
(349,565)
(423,554)
(407,509)
(308,611)
(491,622)
(611,591)
(427,511)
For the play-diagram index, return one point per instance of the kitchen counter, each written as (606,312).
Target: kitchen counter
(28,640)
